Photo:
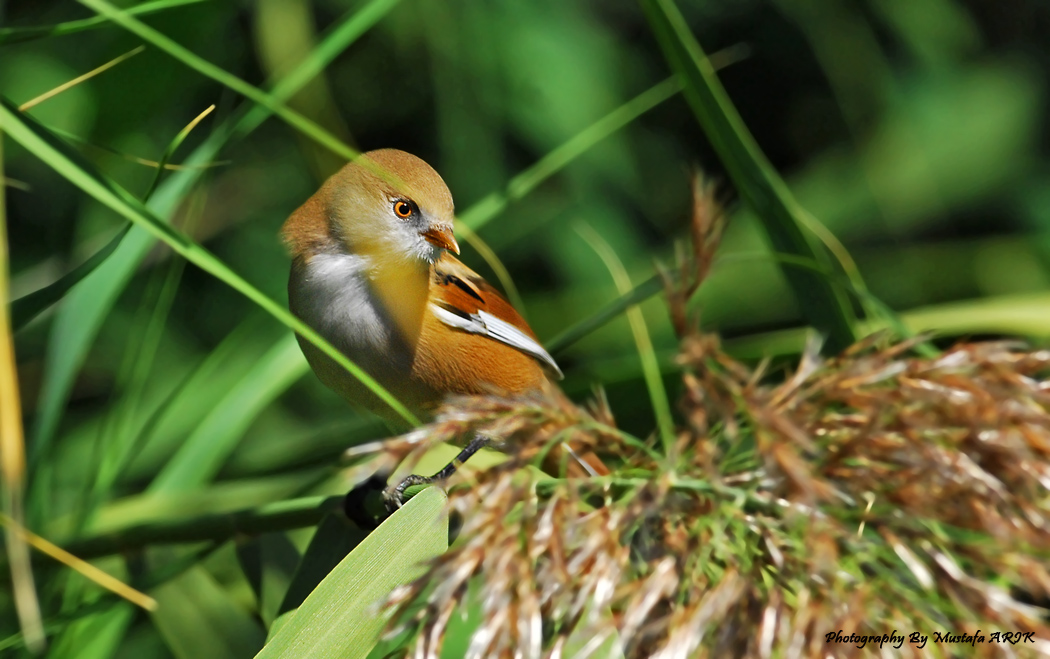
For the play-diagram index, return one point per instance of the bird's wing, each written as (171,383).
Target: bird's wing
(462,299)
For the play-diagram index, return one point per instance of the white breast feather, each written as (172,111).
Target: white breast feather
(335,299)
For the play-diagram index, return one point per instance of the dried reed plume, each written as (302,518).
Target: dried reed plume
(873,492)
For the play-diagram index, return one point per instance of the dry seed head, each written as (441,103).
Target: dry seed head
(877,490)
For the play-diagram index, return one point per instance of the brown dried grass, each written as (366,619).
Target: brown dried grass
(872,492)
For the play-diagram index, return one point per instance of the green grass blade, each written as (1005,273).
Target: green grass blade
(479,214)
(199,620)
(525,182)
(206,68)
(28,307)
(336,536)
(342,618)
(52,151)
(11,35)
(269,562)
(650,366)
(98,635)
(756,180)
(173,146)
(612,309)
(1026,314)
(202,455)
(338,39)
(81,315)
(283,515)
(192,398)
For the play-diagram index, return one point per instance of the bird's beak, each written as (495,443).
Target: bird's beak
(440,235)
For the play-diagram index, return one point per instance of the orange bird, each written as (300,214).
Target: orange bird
(372,273)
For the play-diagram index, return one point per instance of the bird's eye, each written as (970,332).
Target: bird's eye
(403,209)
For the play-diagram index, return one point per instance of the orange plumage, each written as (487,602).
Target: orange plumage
(371,272)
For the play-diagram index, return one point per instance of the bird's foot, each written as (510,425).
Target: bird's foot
(396,496)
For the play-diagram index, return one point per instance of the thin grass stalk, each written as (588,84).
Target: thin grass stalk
(307,127)
(79,79)
(130,157)
(89,571)
(480,213)
(756,180)
(492,259)
(281,516)
(650,365)
(31,305)
(13,457)
(611,310)
(12,35)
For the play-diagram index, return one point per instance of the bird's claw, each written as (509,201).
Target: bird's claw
(394,497)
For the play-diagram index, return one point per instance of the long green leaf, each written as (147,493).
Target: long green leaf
(11,35)
(335,537)
(1025,314)
(52,151)
(202,455)
(199,620)
(525,182)
(479,214)
(98,635)
(758,183)
(650,367)
(29,306)
(283,515)
(343,616)
(192,399)
(269,563)
(199,64)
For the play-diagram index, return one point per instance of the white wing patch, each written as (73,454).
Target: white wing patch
(488,325)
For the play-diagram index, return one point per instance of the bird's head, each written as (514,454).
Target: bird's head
(387,204)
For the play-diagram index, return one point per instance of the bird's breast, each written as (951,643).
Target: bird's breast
(416,357)
(331,293)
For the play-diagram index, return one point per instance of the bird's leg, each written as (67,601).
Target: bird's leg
(395,496)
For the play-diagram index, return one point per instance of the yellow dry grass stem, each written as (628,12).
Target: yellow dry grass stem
(13,456)
(88,570)
(79,79)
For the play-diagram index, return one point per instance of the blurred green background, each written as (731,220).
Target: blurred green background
(914,130)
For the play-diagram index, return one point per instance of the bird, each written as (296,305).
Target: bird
(374,272)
